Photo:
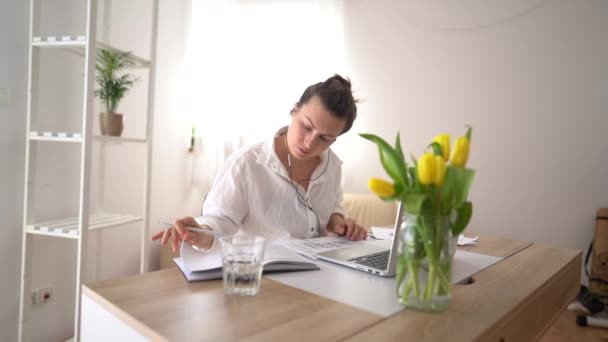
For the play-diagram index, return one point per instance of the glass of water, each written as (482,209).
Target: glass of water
(242,257)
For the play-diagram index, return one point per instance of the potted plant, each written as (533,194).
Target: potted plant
(113,85)
(434,193)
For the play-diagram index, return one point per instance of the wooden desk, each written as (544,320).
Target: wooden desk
(515,299)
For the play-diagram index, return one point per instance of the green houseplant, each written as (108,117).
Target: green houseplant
(113,85)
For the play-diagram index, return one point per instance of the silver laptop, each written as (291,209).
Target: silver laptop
(375,256)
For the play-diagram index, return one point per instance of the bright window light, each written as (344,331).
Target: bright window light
(247,62)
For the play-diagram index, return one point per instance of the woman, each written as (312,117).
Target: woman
(287,186)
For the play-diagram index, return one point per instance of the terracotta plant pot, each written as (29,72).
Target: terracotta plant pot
(111,124)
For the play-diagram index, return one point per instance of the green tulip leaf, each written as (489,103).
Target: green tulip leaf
(436,148)
(400,154)
(458,182)
(389,157)
(414,203)
(449,189)
(464,214)
(399,150)
(416,185)
(464,181)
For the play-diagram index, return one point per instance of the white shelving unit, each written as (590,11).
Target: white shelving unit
(77,137)
(68,228)
(78,46)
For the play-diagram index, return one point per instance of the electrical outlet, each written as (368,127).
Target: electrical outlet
(35,297)
(42,295)
(46,294)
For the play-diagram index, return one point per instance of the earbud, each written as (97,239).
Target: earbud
(288,159)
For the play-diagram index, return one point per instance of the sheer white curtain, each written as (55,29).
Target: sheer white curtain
(247,62)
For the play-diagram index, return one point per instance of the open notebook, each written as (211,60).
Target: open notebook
(197,265)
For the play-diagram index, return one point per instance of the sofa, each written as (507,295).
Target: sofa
(367,209)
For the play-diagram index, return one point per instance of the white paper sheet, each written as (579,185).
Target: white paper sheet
(382,233)
(465,241)
(309,247)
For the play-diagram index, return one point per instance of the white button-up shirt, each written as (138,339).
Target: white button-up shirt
(253,191)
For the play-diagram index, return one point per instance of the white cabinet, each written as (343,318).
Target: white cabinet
(79,184)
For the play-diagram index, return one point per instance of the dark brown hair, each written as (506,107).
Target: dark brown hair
(336,95)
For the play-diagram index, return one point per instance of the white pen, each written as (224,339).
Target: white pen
(195,229)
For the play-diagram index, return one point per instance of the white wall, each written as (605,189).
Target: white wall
(13,70)
(531,78)
(173,193)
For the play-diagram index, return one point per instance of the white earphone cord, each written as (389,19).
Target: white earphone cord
(299,196)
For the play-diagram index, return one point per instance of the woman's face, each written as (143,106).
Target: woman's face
(313,129)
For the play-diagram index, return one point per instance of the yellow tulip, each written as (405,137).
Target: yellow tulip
(444,141)
(426,168)
(381,187)
(460,154)
(440,168)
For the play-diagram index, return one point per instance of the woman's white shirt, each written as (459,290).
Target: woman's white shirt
(253,192)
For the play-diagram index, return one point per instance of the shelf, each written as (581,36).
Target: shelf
(38,42)
(77,137)
(56,136)
(68,228)
(111,139)
(77,45)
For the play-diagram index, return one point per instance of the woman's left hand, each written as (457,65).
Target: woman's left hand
(351,230)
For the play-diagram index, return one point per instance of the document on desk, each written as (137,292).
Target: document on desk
(310,247)
(197,265)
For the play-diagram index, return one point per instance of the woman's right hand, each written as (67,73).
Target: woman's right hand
(178,233)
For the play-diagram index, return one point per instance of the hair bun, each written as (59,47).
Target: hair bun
(345,82)
(336,95)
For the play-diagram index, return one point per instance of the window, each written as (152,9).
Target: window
(248,61)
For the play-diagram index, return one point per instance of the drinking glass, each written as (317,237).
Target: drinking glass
(242,257)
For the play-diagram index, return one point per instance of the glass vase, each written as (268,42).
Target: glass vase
(424,271)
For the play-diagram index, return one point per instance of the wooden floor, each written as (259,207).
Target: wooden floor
(565,329)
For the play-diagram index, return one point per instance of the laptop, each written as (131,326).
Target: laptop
(374,256)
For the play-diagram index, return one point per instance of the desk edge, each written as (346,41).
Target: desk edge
(122,315)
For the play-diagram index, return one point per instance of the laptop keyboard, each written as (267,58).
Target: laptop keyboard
(377,260)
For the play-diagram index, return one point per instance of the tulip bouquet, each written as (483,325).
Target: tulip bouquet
(433,191)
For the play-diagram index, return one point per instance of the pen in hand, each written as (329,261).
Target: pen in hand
(195,229)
